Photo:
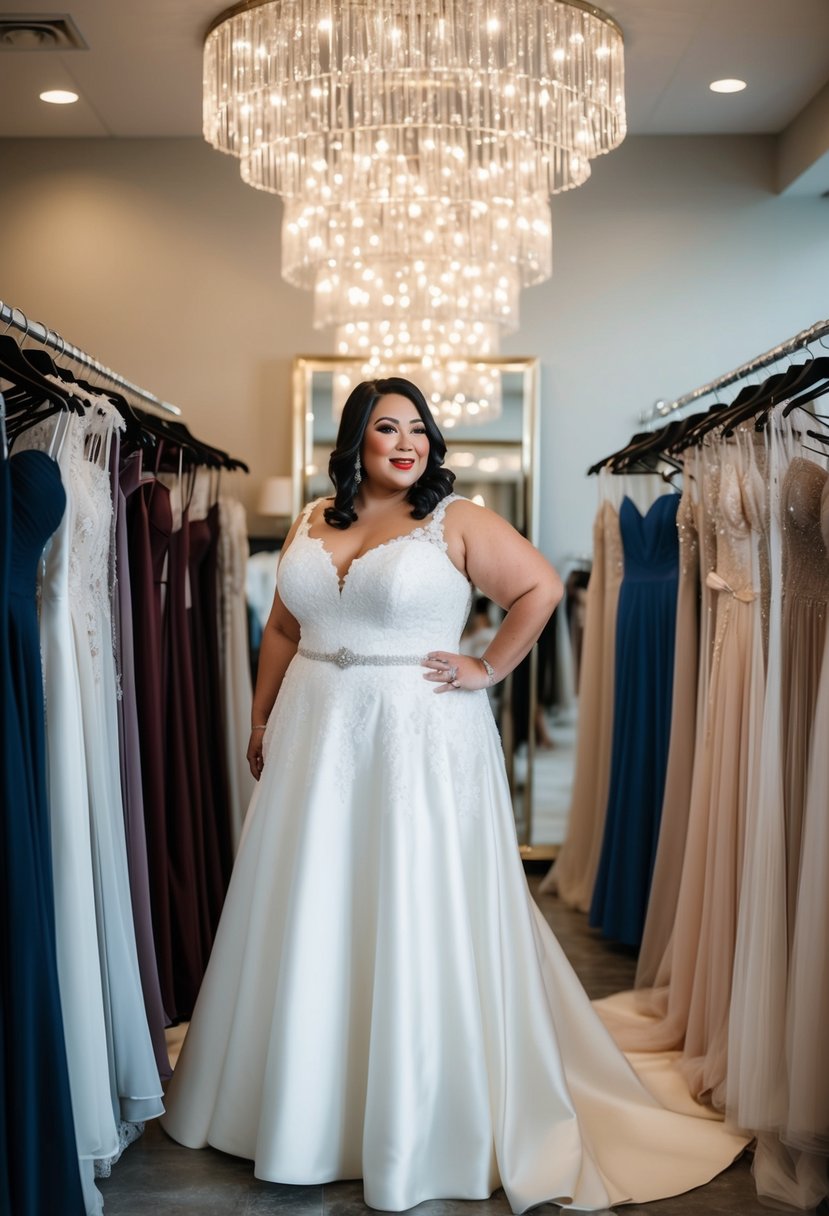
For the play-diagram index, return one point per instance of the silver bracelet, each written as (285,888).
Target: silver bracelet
(490,672)
(265,727)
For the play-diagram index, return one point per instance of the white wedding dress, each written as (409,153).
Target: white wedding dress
(384,999)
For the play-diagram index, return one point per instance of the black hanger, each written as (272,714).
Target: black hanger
(815,376)
(176,433)
(635,439)
(796,378)
(660,442)
(699,425)
(17,368)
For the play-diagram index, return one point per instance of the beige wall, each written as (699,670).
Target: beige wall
(675,262)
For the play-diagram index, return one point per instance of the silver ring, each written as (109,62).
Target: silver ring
(452,675)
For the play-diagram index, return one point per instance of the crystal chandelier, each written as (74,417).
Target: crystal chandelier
(415,146)
(423,258)
(472,98)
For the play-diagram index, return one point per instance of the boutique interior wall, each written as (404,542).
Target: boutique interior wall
(674,263)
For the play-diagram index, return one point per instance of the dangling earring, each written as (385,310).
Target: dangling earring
(358,472)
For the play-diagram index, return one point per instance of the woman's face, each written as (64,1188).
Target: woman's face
(395,445)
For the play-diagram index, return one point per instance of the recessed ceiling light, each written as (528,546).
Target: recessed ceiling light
(59,97)
(727,86)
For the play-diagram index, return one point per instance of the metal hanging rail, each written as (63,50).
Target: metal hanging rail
(663,409)
(13,317)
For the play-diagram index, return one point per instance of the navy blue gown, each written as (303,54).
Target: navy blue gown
(645,630)
(39,1172)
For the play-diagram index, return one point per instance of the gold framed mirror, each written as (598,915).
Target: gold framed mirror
(494,460)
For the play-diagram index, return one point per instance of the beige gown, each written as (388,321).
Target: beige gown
(808,997)
(574,872)
(806,590)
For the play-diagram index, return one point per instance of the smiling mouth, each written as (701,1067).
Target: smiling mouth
(402,464)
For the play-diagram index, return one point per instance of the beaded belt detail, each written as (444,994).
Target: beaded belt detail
(347,658)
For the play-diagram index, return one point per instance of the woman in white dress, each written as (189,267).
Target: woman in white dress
(384,999)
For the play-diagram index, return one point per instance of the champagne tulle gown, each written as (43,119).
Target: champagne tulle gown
(384,999)
(574,872)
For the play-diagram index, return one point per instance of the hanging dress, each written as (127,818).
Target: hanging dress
(150,525)
(676,801)
(78,950)
(645,633)
(126,481)
(35,1104)
(574,872)
(735,709)
(135,1084)
(807,1118)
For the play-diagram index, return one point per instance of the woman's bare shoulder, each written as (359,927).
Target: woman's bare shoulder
(463,516)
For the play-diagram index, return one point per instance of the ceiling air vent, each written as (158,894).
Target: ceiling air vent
(48,32)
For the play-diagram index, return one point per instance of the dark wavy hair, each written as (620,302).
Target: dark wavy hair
(435,483)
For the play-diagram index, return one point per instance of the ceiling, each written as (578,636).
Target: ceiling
(141,75)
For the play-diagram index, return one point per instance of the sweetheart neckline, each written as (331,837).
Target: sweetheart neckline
(415,533)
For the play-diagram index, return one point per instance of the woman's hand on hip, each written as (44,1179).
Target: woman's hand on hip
(455,672)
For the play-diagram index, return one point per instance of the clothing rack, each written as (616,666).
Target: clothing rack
(14,318)
(662,409)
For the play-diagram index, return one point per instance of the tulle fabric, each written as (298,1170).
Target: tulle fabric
(755,1091)
(574,872)
(235,671)
(404,1014)
(804,629)
(134,1079)
(808,1006)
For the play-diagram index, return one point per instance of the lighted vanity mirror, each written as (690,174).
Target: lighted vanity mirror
(493,458)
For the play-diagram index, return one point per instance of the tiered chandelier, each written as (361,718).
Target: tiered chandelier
(415,144)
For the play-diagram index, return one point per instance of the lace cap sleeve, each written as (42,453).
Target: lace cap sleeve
(434,528)
(305,516)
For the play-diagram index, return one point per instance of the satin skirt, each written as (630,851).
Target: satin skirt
(385,1000)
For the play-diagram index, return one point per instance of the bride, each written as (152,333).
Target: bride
(384,999)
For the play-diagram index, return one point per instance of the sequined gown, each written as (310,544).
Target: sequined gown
(806,591)
(808,1004)
(412,974)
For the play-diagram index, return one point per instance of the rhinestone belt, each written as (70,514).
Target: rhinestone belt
(347,658)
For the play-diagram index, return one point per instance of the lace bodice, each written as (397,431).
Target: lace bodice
(732,573)
(401,597)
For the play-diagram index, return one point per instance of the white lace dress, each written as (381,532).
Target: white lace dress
(384,1000)
(134,1080)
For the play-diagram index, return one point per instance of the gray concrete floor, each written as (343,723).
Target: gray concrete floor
(157,1177)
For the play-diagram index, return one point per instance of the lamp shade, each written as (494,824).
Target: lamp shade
(276,496)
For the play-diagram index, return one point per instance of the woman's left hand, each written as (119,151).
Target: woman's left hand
(455,672)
